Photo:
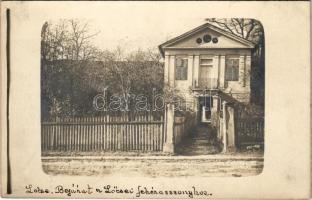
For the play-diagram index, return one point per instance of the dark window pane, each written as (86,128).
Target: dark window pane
(215,40)
(199,40)
(232,69)
(207,38)
(181,69)
(235,73)
(228,74)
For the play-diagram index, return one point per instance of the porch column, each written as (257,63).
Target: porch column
(248,70)
(247,77)
(224,135)
(166,70)
(171,71)
(169,129)
(196,70)
(215,71)
(215,111)
(197,111)
(222,71)
(190,71)
(242,70)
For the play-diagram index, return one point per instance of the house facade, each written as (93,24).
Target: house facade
(206,64)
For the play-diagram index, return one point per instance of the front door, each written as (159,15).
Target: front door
(205,108)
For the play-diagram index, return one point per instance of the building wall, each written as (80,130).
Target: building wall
(238,89)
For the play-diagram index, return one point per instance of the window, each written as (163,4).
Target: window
(232,69)
(215,40)
(207,38)
(199,40)
(206,61)
(181,69)
(206,77)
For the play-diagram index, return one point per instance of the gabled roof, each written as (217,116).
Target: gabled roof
(241,40)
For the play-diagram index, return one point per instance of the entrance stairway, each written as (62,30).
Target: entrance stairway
(200,142)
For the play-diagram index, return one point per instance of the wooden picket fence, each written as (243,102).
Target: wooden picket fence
(249,131)
(103,133)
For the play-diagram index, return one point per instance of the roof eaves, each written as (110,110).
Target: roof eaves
(206,25)
(175,39)
(233,36)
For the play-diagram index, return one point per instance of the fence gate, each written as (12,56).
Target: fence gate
(249,130)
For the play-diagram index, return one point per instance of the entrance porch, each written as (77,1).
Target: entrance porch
(207,130)
(205,109)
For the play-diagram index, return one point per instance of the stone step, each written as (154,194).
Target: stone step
(201,138)
(200,143)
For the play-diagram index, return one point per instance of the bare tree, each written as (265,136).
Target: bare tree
(66,52)
(249,29)
(136,73)
(68,39)
(252,30)
(79,40)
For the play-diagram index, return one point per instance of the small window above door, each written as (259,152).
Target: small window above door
(206,61)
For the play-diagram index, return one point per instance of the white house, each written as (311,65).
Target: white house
(205,63)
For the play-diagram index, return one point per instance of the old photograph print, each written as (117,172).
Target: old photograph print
(132,101)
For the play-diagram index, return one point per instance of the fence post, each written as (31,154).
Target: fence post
(231,128)
(169,127)
(224,135)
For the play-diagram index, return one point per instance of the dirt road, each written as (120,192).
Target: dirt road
(155,166)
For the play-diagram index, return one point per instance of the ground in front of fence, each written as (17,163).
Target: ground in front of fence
(156,166)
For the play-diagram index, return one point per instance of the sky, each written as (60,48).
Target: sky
(145,25)
(138,33)
(142,26)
